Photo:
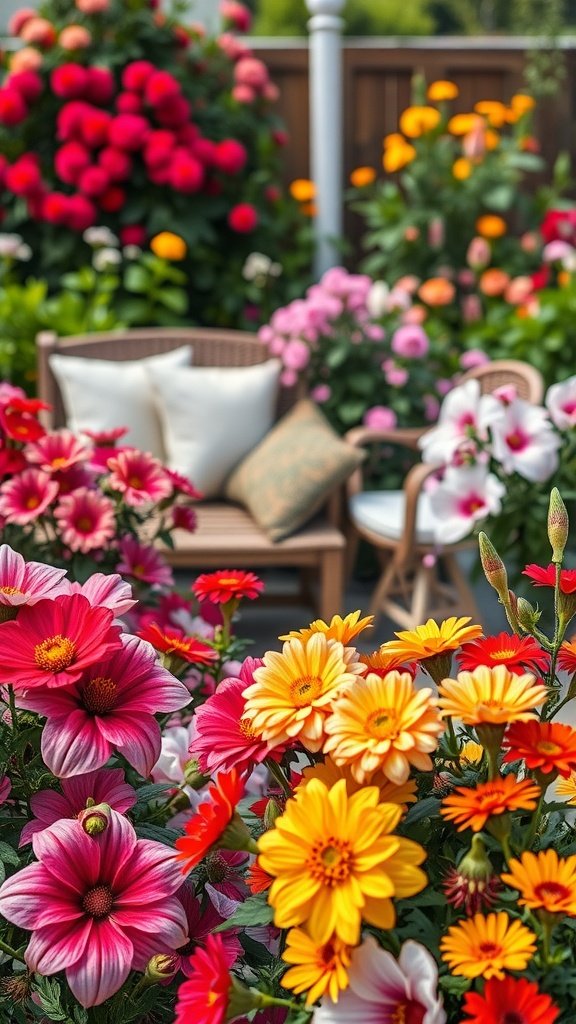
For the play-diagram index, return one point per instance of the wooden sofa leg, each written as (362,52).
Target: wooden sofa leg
(331,584)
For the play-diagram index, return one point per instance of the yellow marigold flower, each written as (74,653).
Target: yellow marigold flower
(416,121)
(334,862)
(462,168)
(397,156)
(487,946)
(492,696)
(495,112)
(545,881)
(567,787)
(491,226)
(362,176)
(292,691)
(431,638)
(521,103)
(303,190)
(471,754)
(329,773)
(471,808)
(386,724)
(442,90)
(168,246)
(320,968)
(342,629)
(394,139)
(462,124)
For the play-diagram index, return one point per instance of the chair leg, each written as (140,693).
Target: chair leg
(331,584)
(421,595)
(466,600)
(352,544)
(381,590)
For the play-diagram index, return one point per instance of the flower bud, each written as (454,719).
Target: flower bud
(527,615)
(494,568)
(95,819)
(162,966)
(473,885)
(193,776)
(273,810)
(558,525)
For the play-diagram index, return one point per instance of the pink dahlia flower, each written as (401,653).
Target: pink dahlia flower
(383,989)
(144,563)
(98,906)
(57,451)
(139,477)
(24,582)
(223,740)
(53,642)
(25,497)
(105,786)
(86,520)
(111,707)
(105,592)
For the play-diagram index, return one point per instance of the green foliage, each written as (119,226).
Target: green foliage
(361,17)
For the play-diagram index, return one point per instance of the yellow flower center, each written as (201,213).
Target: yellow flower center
(99,695)
(55,653)
(304,690)
(501,655)
(84,524)
(383,723)
(408,1013)
(135,482)
(548,747)
(58,462)
(331,861)
(247,730)
(211,998)
(10,591)
(227,581)
(32,502)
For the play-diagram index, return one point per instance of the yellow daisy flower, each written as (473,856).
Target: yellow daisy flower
(384,723)
(487,946)
(416,121)
(471,754)
(342,629)
(292,691)
(567,787)
(431,639)
(319,968)
(329,773)
(491,696)
(334,862)
(442,90)
(545,881)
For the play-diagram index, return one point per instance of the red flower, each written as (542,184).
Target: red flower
(81,213)
(257,879)
(69,81)
(93,181)
(18,419)
(519,654)
(227,585)
(70,160)
(128,103)
(112,199)
(128,131)
(548,746)
(136,74)
(540,278)
(559,224)
(211,819)
(243,218)
(101,85)
(28,84)
(94,125)
(55,207)
(161,87)
(173,641)
(203,997)
(186,173)
(13,109)
(116,163)
(567,656)
(133,234)
(23,177)
(513,999)
(546,577)
(202,148)
(230,156)
(173,114)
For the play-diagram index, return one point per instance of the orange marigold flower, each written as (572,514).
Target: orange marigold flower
(492,696)
(386,724)
(397,156)
(463,124)
(518,654)
(437,291)
(487,946)
(342,629)
(495,112)
(416,121)
(462,168)
(394,139)
(471,808)
(521,103)
(493,282)
(208,825)
(545,881)
(360,177)
(491,226)
(168,246)
(491,139)
(303,190)
(308,209)
(442,90)
(547,746)
(227,585)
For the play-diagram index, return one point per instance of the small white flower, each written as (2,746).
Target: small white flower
(100,236)
(23,253)
(105,259)
(256,265)
(275,269)
(377,299)
(10,244)
(131,252)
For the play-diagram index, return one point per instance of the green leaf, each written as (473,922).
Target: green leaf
(427,808)
(8,855)
(167,836)
(174,299)
(255,911)
(136,279)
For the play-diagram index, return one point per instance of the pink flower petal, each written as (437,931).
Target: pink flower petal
(152,873)
(58,946)
(104,967)
(166,921)
(137,737)
(74,744)
(69,854)
(22,894)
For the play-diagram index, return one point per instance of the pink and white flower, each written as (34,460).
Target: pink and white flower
(465,496)
(175,759)
(110,708)
(461,419)
(561,403)
(144,563)
(86,520)
(523,438)
(104,786)
(383,989)
(139,477)
(25,497)
(104,591)
(98,906)
(24,582)
(57,450)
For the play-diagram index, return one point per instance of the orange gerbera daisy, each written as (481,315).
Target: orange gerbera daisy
(471,808)
(173,642)
(293,691)
(257,879)
(515,1000)
(547,746)
(487,946)
(328,772)
(491,696)
(416,121)
(567,656)
(384,723)
(342,629)
(227,585)
(545,881)
(215,822)
(319,968)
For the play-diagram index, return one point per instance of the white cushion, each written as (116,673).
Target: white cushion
(382,512)
(213,416)
(99,394)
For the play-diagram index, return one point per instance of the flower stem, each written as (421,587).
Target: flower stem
(5,948)
(277,773)
(273,1001)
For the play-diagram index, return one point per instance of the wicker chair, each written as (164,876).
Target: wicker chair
(226,536)
(411,588)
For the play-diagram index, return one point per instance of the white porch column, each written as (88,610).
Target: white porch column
(206,11)
(326,133)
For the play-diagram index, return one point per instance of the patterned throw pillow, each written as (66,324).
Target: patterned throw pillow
(285,480)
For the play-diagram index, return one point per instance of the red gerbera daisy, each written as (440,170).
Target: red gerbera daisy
(509,1001)
(227,585)
(548,746)
(203,997)
(211,820)
(257,879)
(173,641)
(19,418)
(53,641)
(519,654)
(546,577)
(567,656)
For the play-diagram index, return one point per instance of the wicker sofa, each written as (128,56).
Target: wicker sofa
(227,535)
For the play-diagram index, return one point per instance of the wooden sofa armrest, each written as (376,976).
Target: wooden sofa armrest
(362,437)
